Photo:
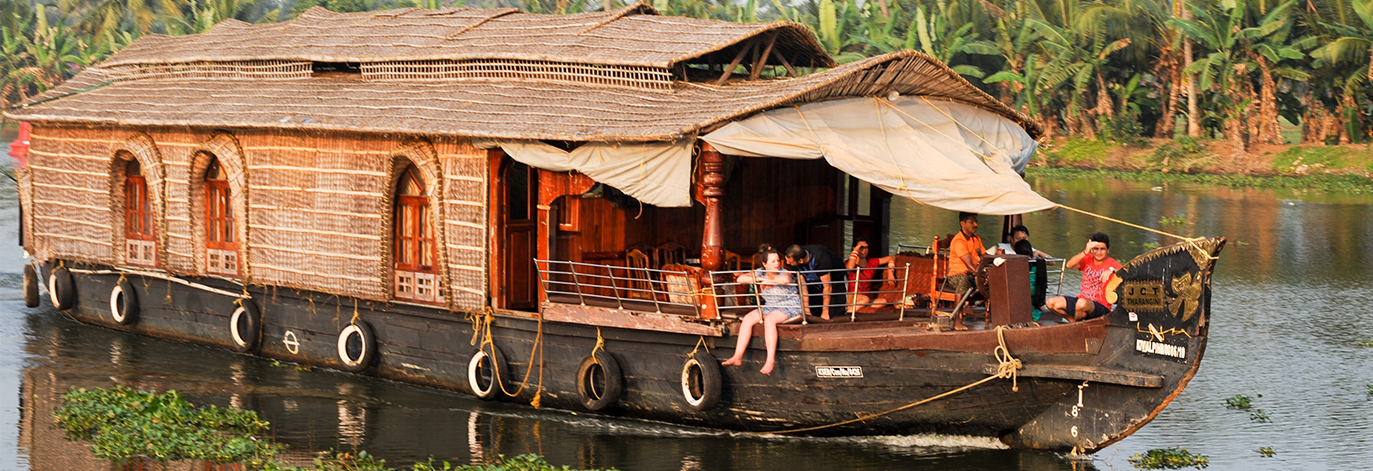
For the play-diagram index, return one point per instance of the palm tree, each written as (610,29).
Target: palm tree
(1223,69)
(1268,44)
(1353,47)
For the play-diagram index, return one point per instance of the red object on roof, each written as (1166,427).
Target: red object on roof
(19,149)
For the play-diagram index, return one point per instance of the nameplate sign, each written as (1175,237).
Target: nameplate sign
(1143,295)
(839,371)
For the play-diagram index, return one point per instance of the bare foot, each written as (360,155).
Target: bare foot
(825,316)
(767,369)
(959,327)
(732,362)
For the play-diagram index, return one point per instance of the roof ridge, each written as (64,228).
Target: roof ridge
(483,21)
(638,8)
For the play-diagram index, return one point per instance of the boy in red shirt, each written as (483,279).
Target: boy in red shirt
(1097,269)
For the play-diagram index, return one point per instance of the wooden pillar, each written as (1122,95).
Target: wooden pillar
(712,238)
(712,189)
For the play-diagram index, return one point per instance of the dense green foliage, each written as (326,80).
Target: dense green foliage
(127,426)
(122,424)
(1112,70)
(1169,458)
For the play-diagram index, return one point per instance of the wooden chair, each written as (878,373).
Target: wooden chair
(737,263)
(669,253)
(636,269)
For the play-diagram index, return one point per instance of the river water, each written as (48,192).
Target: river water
(1290,308)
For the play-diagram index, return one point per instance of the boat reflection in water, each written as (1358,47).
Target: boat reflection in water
(318,410)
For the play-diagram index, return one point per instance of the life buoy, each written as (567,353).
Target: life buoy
(484,372)
(124,303)
(30,286)
(357,346)
(599,380)
(245,326)
(61,288)
(701,381)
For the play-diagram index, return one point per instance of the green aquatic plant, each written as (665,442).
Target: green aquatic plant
(1260,416)
(123,425)
(1175,220)
(1266,451)
(1364,343)
(1239,402)
(1169,458)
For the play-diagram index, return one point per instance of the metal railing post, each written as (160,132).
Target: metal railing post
(905,284)
(615,288)
(576,283)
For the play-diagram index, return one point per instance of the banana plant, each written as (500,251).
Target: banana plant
(938,38)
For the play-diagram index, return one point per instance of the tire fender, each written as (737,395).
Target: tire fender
(30,286)
(124,303)
(701,381)
(245,326)
(599,380)
(484,372)
(61,288)
(367,343)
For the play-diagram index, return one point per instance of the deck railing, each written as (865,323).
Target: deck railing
(679,290)
(618,285)
(744,296)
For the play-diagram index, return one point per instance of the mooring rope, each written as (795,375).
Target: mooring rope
(1006,368)
(496,367)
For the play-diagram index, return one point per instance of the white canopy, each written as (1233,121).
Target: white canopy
(657,173)
(943,154)
(940,153)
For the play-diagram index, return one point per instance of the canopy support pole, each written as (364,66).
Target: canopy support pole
(712,238)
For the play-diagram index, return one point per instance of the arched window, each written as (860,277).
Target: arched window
(221,245)
(416,256)
(140,240)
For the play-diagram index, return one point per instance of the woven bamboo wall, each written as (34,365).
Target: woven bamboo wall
(317,205)
(70,176)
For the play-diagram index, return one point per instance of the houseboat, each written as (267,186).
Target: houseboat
(553,209)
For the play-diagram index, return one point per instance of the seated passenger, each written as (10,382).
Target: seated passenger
(1097,268)
(781,302)
(861,284)
(1023,247)
(817,264)
(1019,233)
(965,253)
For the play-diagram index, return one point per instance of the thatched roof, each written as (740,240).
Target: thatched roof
(506,109)
(636,35)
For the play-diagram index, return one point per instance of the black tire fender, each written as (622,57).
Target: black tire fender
(124,303)
(486,366)
(367,346)
(245,326)
(599,380)
(701,381)
(30,286)
(61,288)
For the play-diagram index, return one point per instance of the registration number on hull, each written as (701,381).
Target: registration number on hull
(839,371)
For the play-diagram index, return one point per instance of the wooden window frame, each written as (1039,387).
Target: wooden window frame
(140,236)
(414,242)
(221,238)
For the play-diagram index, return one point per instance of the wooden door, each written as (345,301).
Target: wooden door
(519,197)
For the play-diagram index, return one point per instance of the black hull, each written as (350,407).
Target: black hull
(432,347)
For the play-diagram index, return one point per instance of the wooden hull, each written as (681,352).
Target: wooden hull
(1083,386)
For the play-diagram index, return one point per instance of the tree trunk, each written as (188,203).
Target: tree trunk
(1167,125)
(1103,98)
(1311,129)
(1193,121)
(1269,131)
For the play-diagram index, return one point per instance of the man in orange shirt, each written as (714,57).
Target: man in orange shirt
(965,252)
